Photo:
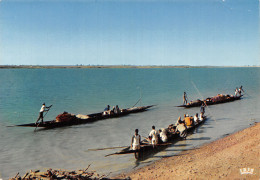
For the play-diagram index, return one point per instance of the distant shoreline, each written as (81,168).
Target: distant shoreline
(108,66)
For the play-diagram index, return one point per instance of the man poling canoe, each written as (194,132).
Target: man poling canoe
(42,110)
(184,98)
(240,90)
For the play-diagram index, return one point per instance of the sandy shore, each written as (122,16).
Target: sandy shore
(221,159)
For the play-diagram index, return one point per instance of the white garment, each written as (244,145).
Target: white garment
(201,117)
(163,136)
(136,147)
(154,136)
(195,118)
(181,128)
(236,91)
(136,139)
(136,142)
(42,108)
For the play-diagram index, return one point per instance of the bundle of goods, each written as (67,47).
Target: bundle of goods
(65,117)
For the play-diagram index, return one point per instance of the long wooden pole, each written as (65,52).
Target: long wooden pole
(98,149)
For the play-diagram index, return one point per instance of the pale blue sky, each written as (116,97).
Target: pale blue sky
(131,32)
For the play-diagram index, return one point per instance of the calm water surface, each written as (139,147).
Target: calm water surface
(86,91)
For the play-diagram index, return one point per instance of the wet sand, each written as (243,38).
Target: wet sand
(221,159)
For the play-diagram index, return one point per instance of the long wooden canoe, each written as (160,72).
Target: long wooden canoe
(90,118)
(210,101)
(147,149)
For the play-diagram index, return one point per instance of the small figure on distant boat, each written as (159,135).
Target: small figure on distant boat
(42,110)
(153,135)
(184,98)
(113,110)
(202,108)
(240,90)
(136,141)
(236,91)
(117,110)
(107,110)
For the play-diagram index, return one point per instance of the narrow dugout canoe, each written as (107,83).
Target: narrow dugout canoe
(90,118)
(147,149)
(211,101)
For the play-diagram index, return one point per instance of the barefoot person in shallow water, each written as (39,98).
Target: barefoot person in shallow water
(136,141)
(153,135)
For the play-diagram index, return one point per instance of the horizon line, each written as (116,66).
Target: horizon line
(121,66)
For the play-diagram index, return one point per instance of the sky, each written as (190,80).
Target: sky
(130,32)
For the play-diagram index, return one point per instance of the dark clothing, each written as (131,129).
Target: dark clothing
(202,109)
(107,108)
(184,98)
(40,117)
(42,110)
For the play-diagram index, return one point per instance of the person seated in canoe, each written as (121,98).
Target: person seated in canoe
(153,136)
(113,110)
(107,110)
(179,120)
(184,98)
(208,99)
(171,128)
(163,135)
(188,120)
(42,110)
(201,117)
(136,141)
(116,110)
(182,129)
(196,118)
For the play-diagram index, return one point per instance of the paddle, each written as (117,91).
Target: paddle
(116,147)
(137,101)
(133,151)
(43,117)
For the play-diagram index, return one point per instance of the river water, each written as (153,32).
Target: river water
(85,91)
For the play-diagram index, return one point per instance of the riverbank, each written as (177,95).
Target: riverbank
(236,156)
